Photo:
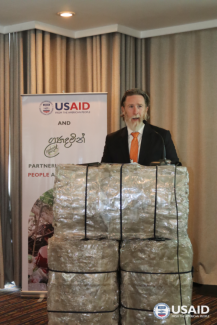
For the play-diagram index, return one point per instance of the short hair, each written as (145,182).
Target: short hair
(136,91)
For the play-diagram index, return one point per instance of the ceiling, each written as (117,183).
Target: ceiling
(140,18)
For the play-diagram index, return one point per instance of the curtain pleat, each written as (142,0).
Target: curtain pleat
(46,57)
(16,88)
(105,59)
(63,64)
(58,65)
(2,153)
(6,262)
(97,64)
(31,62)
(183,100)
(130,60)
(89,64)
(80,65)
(140,64)
(115,86)
(70,59)
(123,64)
(39,62)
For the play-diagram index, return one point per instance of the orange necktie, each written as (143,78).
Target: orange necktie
(134,147)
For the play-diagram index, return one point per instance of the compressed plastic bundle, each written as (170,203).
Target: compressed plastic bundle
(156,256)
(82,286)
(82,292)
(129,317)
(145,291)
(82,255)
(155,272)
(115,202)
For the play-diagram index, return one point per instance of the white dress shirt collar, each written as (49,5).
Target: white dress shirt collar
(140,130)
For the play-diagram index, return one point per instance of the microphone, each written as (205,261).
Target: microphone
(162,161)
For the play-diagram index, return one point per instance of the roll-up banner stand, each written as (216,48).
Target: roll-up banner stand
(56,129)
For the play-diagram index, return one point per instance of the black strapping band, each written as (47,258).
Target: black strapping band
(82,312)
(119,278)
(119,259)
(85,216)
(136,309)
(158,273)
(177,216)
(82,272)
(155,208)
(121,202)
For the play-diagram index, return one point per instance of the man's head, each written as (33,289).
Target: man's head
(134,107)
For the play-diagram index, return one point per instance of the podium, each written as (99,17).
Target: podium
(120,252)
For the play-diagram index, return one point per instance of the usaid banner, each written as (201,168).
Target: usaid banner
(56,129)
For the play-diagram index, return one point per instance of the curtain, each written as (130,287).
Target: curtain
(183,100)
(6,264)
(16,89)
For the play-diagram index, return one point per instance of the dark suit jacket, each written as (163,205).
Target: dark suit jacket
(116,148)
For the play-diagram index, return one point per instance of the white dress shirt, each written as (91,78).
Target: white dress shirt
(130,137)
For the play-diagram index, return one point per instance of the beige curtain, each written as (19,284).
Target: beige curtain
(183,77)
(134,64)
(183,100)
(16,89)
(6,269)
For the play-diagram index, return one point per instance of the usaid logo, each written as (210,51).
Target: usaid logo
(161,311)
(46,107)
(76,106)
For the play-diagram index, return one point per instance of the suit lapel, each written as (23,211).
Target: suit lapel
(146,145)
(123,145)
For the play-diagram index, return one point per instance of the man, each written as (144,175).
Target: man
(138,141)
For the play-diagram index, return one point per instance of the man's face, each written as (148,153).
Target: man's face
(134,111)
